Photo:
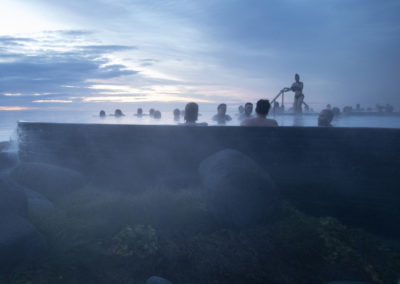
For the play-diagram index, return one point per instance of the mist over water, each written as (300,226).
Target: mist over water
(9,119)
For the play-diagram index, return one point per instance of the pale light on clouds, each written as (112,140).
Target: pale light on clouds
(12,108)
(52,101)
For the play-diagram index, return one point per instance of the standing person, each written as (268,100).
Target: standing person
(297,88)
(262,109)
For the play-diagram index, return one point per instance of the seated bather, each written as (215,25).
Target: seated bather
(262,109)
(151,112)
(191,115)
(325,118)
(157,114)
(102,114)
(221,117)
(240,110)
(177,114)
(118,113)
(139,112)
(248,110)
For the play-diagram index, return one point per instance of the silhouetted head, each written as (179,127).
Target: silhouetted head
(328,106)
(151,112)
(262,107)
(297,77)
(177,114)
(325,117)
(118,113)
(191,112)
(102,113)
(157,114)
(139,111)
(248,108)
(221,109)
(241,109)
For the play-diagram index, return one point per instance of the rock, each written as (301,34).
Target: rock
(8,160)
(157,280)
(347,282)
(49,180)
(238,191)
(13,200)
(19,240)
(37,203)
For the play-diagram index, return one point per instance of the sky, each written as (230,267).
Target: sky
(92,54)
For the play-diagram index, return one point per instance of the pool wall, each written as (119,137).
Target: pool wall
(350,173)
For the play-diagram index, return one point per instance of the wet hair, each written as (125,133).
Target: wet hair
(102,113)
(191,112)
(151,112)
(248,104)
(118,112)
(263,107)
(157,114)
(297,75)
(325,117)
(221,106)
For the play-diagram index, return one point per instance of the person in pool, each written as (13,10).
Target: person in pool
(191,115)
(248,110)
(157,114)
(118,113)
(139,112)
(102,114)
(325,118)
(177,114)
(221,117)
(262,109)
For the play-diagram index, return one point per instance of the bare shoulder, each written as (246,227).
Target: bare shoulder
(272,122)
(247,122)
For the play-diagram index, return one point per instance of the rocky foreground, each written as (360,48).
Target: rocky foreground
(227,225)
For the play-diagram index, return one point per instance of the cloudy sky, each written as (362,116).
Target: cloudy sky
(84,54)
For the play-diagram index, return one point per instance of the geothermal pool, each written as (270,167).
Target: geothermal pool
(8,119)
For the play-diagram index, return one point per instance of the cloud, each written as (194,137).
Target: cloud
(44,69)
(10,40)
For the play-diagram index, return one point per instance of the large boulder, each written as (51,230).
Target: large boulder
(19,241)
(49,180)
(157,280)
(13,200)
(238,191)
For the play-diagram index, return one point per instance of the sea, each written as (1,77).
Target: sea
(9,120)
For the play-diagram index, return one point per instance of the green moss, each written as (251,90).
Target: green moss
(101,236)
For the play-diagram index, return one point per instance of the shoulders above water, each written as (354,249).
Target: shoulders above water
(258,121)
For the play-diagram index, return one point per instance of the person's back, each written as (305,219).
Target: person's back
(191,115)
(261,119)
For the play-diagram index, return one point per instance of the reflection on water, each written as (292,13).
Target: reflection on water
(8,119)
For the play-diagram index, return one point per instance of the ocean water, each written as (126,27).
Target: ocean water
(9,119)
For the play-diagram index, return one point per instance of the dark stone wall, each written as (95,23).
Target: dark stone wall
(350,173)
